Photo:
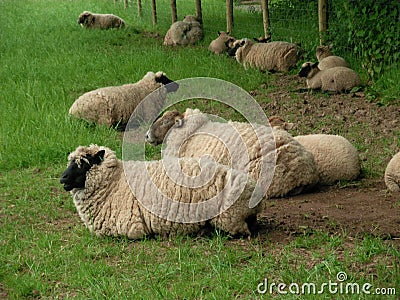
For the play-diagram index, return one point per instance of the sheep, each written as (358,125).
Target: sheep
(392,174)
(114,105)
(272,56)
(337,79)
(192,134)
(221,43)
(336,158)
(101,21)
(140,198)
(186,32)
(327,60)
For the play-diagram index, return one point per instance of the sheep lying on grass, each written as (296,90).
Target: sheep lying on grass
(186,32)
(187,136)
(273,56)
(221,43)
(114,105)
(100,21)
(337,79)
(336,158)
(392,174)
(327,60)
(98,182)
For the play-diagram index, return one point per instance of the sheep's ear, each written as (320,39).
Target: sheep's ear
(179,121)
(219,33)
(98,157)
(242,43)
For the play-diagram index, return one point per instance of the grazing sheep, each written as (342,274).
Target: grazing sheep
(221,43)
(192,134)
(327,60)
(114,105)
(186,32)
(273,56)
(109,206)
(336,158)
(392,174)
(101,21)
(337,79)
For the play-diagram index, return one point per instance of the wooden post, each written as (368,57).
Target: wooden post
(125,4)
(266,21)
(229,15)
(173,11)
(322,19)
(154,11)
(199,13)
(115,2)
(139,8)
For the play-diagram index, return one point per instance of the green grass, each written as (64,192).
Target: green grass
(47,61)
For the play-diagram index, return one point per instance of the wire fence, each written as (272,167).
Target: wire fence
(287,23)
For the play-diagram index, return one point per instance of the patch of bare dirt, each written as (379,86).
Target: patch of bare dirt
(363,208)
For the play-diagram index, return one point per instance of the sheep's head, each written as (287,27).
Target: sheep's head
(308,69)
(161,77)
(238,44)
(263,39)
(158,131)
(86,18)
(323,51)
(74,177)
(191,18)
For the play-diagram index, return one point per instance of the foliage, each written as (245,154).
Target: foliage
(371,29)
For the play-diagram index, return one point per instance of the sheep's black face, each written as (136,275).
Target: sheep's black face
(74,177)
(170,85)
(306,69)
(232,51)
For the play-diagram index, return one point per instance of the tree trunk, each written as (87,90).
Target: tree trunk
(139,8)
(199,13)
(154,11)
(229,15)
(173,11)
(266,21)
(125,4)
(322,19)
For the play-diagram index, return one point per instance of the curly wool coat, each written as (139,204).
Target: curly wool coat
(107,205)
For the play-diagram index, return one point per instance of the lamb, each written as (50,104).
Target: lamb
(221,43)
(101,21)
(114,105)
(192,134)
(327,60)
(337,79)
(140,198)
(392,174)
(273,56)
(336,158)
(186,32)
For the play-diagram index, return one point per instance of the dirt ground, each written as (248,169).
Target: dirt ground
(364,206)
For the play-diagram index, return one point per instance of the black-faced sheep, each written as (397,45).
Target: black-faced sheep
(222,43)
(327,60)
(154,203)
(186,32)
(244,146)
(337,79)
(114,105)
(100,21)
(392,174)
(272,56)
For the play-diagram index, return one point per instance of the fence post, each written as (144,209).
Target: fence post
(322,19)
(173,11)
(125,4)
(154,11)
(139,8)
(266,21)
(229,15)
(199,13)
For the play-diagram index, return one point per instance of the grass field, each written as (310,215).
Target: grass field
(47,61)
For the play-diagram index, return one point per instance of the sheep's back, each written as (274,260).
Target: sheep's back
(331,62)
(392,174)
(339,79)
(278,56)
(336,158)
